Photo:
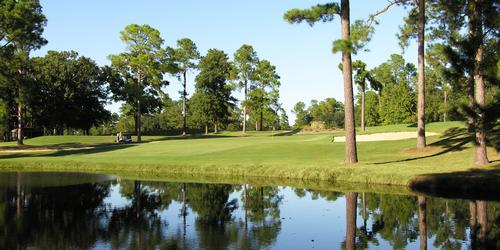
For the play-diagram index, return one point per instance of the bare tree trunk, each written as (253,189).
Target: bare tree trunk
(138,119)
(216,128)
(351,155)
(184,109)
(445,113)
(481,156)
(422,221)
(206,129)
(20,140)
(363,108)
(421,76)
(245,110)
(351,202)
(261,120)
(476,33)
(470,85)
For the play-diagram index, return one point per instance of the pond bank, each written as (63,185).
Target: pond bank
(476,183)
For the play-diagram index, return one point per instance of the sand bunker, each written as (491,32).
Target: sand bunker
(392,136)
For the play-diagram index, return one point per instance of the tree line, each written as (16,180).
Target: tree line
(66,93)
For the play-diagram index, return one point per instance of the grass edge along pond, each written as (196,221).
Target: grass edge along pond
(447,162)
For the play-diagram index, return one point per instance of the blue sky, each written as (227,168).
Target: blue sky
(301,54)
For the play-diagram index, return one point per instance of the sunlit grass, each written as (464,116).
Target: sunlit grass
(298,156)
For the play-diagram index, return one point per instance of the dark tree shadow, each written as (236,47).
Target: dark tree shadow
(452,140)
(477,184)
(73,151)
(288,133)
(191,137)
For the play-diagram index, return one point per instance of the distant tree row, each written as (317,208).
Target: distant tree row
(326,114)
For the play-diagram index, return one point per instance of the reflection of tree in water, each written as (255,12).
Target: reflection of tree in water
(139,224)
(396,220)
(261,208)
(214,209)
(52,217)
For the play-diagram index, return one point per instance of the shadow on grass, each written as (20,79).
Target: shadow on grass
(192,136)
(70,151)
(51,146)
(65,149)
(453,140)
(288,133)
(476,184)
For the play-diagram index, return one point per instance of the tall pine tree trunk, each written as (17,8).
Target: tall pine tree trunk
(206,129)
(481,156)
(184,108)
(422,221)
(470,81)
(261,120)
(351,202)
(421,76)
(445,113)
(138,119)
(245,110)
(20,140)
(363,108)
(351,155)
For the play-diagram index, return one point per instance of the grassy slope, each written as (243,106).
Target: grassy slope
(258,155)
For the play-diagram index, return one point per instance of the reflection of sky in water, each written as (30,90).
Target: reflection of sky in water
(115,198)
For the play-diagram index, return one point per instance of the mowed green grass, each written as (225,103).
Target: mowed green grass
(297,156)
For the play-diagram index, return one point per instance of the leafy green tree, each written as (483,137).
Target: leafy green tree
(396,78)
(213,93)
(302,116)
(397,104)
(330,112)
(21,26)
(201,109)
(186,57)
(172,113)
(245,64)
(70,92)
(140,68)
(263,92)
(372,104)
(284,124)
(347,44)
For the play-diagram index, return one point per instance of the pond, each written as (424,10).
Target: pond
(83,211)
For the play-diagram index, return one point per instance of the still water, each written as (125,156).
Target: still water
(82,211)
